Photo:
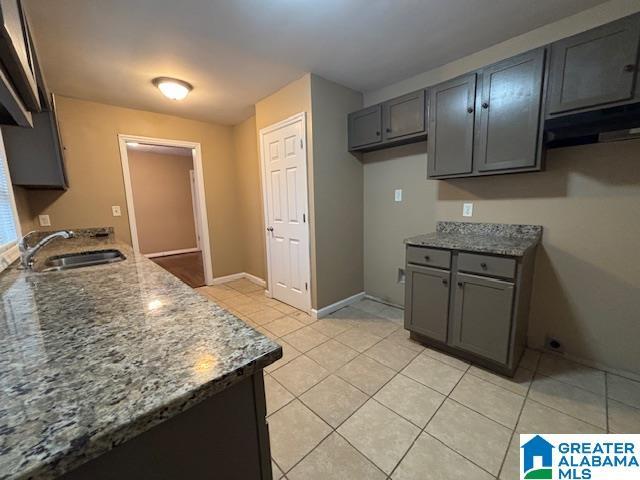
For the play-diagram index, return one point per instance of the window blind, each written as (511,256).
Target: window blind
(8,231)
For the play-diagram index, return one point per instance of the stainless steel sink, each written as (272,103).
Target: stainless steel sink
(82,259)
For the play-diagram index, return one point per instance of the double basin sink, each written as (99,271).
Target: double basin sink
(82,259)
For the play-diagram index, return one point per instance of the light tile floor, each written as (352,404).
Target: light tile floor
(354,398)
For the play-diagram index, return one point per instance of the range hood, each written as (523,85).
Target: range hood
(604,125)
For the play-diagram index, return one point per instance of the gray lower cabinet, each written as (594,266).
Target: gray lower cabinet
(481,317)
(595,68)
(365,127)
(510,118)
(427,294)
(451,127)
(475,306)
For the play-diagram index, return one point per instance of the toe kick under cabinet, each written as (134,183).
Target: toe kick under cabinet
(473,305)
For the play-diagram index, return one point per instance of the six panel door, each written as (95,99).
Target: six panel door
(287,232)
(427,299)
(365,127)
(451,124)
(510,108)
(594,68)
(404,116)
(481,320)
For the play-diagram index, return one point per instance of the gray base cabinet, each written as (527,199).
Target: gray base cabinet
(427,294)
(474,306)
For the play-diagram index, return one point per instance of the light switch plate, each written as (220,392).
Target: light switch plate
(398,195)
(44,220)
(467,209)
(115,210)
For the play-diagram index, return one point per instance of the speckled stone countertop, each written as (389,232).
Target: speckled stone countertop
(493,238)
(94,356)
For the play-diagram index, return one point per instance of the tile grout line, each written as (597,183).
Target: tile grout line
(515,428)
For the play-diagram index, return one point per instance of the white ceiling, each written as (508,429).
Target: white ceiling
(236,52)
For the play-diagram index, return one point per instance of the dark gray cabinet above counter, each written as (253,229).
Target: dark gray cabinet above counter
(397,121)
(489,121)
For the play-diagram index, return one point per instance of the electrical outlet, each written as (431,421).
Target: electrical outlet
(44,220)
(115,210)
(467,209)
(402,276)
(398,195)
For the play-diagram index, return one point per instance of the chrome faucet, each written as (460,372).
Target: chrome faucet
(27,253)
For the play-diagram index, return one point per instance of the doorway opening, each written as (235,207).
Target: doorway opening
(165,200)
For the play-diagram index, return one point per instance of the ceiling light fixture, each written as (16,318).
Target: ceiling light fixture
(172,87)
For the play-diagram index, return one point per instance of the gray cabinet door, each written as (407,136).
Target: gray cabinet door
(427,302)
(509,104)
(365,127)
(16,53)
(481,320)
(404,116)
(594,68)
(451,124)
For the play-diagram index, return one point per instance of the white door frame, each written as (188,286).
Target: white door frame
(195,206)
(202,204)
(299,117)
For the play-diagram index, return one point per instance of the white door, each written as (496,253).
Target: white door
(285,181)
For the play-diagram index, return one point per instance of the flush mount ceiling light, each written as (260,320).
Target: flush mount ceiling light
(172,87)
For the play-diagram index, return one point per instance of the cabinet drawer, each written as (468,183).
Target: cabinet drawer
(429,257)
(487,265)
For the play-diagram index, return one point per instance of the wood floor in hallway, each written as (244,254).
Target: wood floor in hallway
(187,267)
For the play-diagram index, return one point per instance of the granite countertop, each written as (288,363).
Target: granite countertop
(492,238)
(92,357)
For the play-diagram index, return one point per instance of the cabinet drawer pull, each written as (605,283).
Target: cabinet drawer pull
(377,133)
(427,257)
(485,104)
(459,284)
(629,68)
(469,109)
(483,265)
(445,281)
(388,130)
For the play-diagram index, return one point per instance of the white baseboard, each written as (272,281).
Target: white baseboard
(329,309)
(171,252)
(238,276)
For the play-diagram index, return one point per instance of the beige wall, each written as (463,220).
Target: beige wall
(250,197)
(162,200)
(338,194)
(90,131)
(587,273)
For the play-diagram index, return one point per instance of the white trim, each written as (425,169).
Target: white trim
(298,117)
(383,301)
(329,309)
(194,206)
(171,252)
(202,211)
(239,276)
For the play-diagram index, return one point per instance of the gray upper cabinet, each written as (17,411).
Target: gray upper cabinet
(595,68)
(404,116)
(481,320)
(509,106)
(451,127)
(16,53)
(427,294)
(365,127)
(35,155)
